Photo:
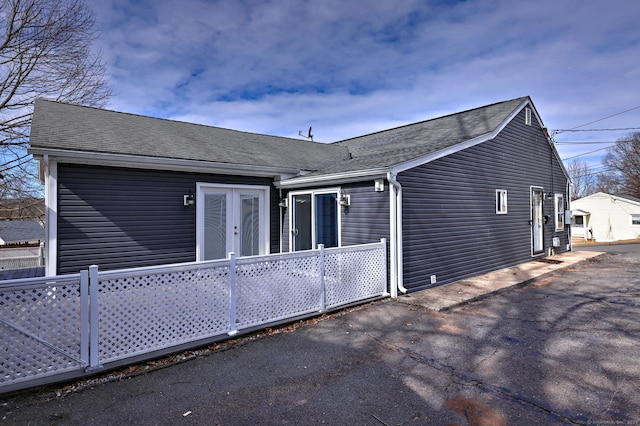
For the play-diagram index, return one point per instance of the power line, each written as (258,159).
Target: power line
(586,143)
(601,119)
(586,153)
(594,130)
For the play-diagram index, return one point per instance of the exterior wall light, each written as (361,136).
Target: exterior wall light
(344,200)
(189,199)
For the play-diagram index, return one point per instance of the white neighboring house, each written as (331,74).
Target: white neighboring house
(605,217)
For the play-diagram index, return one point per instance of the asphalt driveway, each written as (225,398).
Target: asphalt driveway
(563,350)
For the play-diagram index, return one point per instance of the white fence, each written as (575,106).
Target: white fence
(55,328)
(18,258)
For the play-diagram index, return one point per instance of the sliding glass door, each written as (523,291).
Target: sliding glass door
(315,219)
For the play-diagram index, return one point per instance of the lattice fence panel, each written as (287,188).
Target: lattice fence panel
(153,311)
(277,288)
(40,329)
(354,274)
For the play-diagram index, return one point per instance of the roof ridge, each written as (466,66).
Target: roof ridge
(431,119)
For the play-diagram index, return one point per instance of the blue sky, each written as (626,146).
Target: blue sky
(350,67)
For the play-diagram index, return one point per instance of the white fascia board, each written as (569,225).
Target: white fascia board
(478,140)
(624,200)
(155,163)
(553,147)
(398,168)
(439,154)
(332,179)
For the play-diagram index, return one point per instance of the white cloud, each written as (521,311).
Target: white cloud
(347,68)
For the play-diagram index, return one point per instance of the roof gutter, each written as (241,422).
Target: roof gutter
(160,163)
(395,232)
(332,179)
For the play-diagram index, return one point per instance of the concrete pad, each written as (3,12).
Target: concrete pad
(449,296)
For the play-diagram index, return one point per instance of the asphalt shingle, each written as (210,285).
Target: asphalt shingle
(63,126)
(13,231)
(69,127)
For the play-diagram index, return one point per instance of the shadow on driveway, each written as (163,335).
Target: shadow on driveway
(562,350)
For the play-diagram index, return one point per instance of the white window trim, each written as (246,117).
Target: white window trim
(264,213)
(635,217)
(559,214)
(313,193)
(502,195)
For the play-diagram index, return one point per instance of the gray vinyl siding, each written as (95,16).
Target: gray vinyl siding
(122,218)
(450,227)
(366,220)
(285,230)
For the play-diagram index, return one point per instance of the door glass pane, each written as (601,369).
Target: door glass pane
(215,226)
(327,220)
(249,225)
(301,227)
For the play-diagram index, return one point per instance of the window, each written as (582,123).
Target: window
(559,211)
(635,219)
(578,221)
(315,219)
(501,201)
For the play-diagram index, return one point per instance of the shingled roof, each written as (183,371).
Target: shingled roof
(73,128)
(388,148)
(14,231)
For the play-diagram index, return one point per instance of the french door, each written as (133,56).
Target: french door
(231,219)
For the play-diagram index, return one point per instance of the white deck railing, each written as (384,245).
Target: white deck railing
(67,326)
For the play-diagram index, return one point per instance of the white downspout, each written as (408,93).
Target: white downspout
(393,240)
(395,231)
(280,211)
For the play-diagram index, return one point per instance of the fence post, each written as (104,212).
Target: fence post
(84,316)
(233,327)
(323,290)
(94,318)
(383,241)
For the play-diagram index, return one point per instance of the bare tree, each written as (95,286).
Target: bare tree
(45,51)
(608,182)
(623,160)
(582,179)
